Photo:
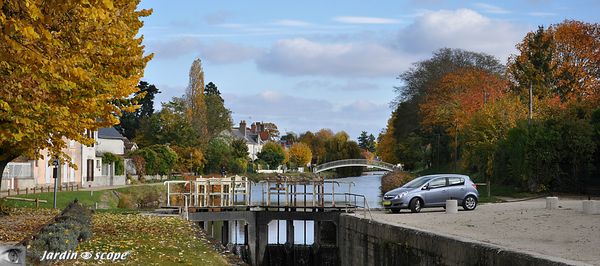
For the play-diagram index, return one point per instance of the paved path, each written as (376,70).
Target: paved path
(523,226)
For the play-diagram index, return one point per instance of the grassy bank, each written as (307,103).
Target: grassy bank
(150,240)
(108,199)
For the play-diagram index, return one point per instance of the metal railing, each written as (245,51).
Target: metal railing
(281,194)
(354,162)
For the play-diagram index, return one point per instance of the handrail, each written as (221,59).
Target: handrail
(354,162)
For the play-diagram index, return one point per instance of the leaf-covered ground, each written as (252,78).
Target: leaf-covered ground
(151,240)
(22,222)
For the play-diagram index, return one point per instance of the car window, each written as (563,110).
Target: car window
(455,181)
(417,182)
(438,182)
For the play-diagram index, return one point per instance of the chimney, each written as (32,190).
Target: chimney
(243,127)
(253,128)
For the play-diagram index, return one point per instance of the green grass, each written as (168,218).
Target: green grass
(62,199)
(106,199)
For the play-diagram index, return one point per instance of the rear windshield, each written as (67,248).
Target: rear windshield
(417,182)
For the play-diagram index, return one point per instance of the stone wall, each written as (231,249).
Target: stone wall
(365,242)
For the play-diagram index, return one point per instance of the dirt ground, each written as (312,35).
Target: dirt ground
(525,226)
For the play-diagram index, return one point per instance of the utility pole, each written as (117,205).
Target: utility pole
(56,164)
(530,104)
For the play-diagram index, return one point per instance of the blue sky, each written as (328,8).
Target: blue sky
(307,65)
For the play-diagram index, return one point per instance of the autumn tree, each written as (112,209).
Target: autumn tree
(534,66)
(66,68)
(562,61)
(196,110)
(300,154)
(458,95)
(418,82)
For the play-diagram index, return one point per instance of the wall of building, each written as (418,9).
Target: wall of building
(115,146)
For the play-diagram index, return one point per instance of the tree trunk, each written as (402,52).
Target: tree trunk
(3,164)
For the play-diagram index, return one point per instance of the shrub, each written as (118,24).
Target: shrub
(395,179)
(70,228)
(125,202)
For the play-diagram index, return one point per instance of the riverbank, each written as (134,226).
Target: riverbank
(517,226)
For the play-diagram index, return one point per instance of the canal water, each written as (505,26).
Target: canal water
(367,185)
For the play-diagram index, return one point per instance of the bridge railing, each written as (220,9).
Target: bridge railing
(210,192)
(351,162)
(284,194)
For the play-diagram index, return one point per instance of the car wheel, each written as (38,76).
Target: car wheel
(415,205)
(469,203)
(395,210)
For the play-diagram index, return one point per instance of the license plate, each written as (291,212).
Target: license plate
(387,203)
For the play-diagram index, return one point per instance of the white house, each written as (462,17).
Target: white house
(23,173)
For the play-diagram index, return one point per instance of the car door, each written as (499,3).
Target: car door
(456,188)
(436,192)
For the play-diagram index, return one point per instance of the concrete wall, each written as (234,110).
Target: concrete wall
(364,242)
(104,181)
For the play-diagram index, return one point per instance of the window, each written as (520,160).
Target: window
(90,170)
(438,182)
(277,232)
(455,181)
(98,164)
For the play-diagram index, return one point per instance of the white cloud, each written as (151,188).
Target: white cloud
(462,28)
(298,114)
(304,57)
(487,8)
(291,23)
(542,14)
(348,85)
(216,52)
(365,20)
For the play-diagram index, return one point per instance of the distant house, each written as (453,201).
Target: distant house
(255,136)
(22,172)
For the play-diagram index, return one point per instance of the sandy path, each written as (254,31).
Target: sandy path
(565,232)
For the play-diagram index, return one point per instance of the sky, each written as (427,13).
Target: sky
(307,65)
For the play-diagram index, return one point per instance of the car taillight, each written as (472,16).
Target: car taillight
(474,186)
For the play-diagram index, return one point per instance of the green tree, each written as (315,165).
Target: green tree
(129,122)
(366,142)
(218,154)
(272,154)
(533,66)
(339,147)
(169,126)
(218,118)
(239,149)
(66,68)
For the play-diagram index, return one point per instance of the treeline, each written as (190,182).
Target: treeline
(468,111)
(185,135)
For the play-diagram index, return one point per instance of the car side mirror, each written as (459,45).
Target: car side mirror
(425,187)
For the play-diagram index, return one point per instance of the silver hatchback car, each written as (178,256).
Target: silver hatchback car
(432,191)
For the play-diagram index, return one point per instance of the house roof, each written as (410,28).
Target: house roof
(250,137)
(109,133)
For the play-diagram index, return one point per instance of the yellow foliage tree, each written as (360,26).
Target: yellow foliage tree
(196,106)
(300,154)
(66,67)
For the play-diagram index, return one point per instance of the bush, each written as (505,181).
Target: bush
(395,179)
(70,228)
(125,202)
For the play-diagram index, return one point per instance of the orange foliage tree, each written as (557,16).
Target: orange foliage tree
(458,95)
